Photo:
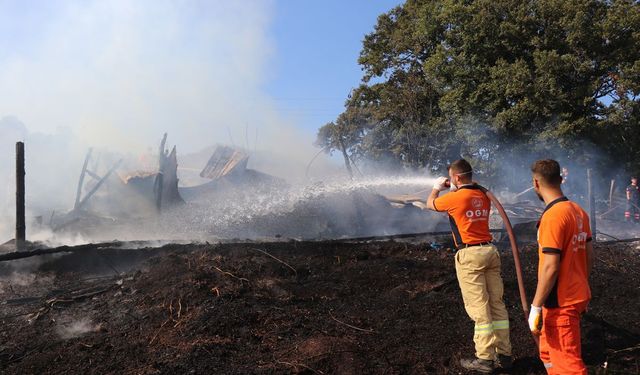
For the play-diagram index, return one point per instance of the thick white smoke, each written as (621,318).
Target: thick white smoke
(118,74)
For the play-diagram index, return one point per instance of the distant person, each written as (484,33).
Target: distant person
(565,256)
(477,266)
(633,202)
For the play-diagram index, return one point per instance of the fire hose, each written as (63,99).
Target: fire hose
(516,255)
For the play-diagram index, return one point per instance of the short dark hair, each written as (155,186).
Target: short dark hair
(548,170)
(461,167)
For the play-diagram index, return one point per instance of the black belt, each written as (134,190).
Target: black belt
(464,246)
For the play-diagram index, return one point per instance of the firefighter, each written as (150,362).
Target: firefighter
(633,201)
(477,263)
(565,256)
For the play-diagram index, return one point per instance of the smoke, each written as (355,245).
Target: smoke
(19,277)
(116,75)
(69,328)
(503,165)
(119,73)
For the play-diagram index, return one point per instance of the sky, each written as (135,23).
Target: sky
(317,48)
(120,72)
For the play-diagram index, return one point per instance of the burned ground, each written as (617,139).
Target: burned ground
(290,307)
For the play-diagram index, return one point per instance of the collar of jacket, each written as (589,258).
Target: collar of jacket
(551,204)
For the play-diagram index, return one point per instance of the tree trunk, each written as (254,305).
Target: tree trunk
(347,163)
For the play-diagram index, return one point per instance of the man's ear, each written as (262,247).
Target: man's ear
(536,183)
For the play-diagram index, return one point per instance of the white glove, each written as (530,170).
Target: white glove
(441,184)
(535,319)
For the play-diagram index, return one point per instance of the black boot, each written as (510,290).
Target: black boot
(477,364)
(504,361)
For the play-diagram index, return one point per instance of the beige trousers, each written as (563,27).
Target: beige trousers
(478,271)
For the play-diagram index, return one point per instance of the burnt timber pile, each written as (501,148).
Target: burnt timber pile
(225,203)
(281,307)
(111,199)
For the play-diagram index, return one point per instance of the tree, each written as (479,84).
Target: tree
(345,135)
(450,78)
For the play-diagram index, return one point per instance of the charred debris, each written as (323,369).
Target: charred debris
(122,196)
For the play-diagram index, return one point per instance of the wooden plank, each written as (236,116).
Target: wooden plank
(223,161)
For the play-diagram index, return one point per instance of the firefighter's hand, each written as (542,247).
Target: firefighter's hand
(441,184)
(535,319)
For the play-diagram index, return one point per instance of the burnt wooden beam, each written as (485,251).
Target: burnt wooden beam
(93,175)
(81,180)
(162,152)
(61,249)
(158,187)
(98,185)
(21,227)
(591,202)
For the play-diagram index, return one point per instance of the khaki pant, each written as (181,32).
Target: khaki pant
(478,271)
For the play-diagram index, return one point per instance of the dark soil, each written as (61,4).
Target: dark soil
(291,307)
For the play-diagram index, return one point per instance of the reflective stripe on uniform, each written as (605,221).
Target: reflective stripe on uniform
(548,365)
(484,329)
(501,324)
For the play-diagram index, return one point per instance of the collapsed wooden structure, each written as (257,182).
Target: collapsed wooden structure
(139,194)
(145,193)
(158,188)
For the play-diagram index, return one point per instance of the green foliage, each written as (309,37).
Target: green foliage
(480,79)
(345,134)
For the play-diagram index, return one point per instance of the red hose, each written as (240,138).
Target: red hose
(516,256)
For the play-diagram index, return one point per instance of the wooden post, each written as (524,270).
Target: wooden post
(613,183)
(591,205)
(159,185)
(20,220)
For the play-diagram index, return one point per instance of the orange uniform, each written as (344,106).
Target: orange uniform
(564,230)
(468,210)
(478,265)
